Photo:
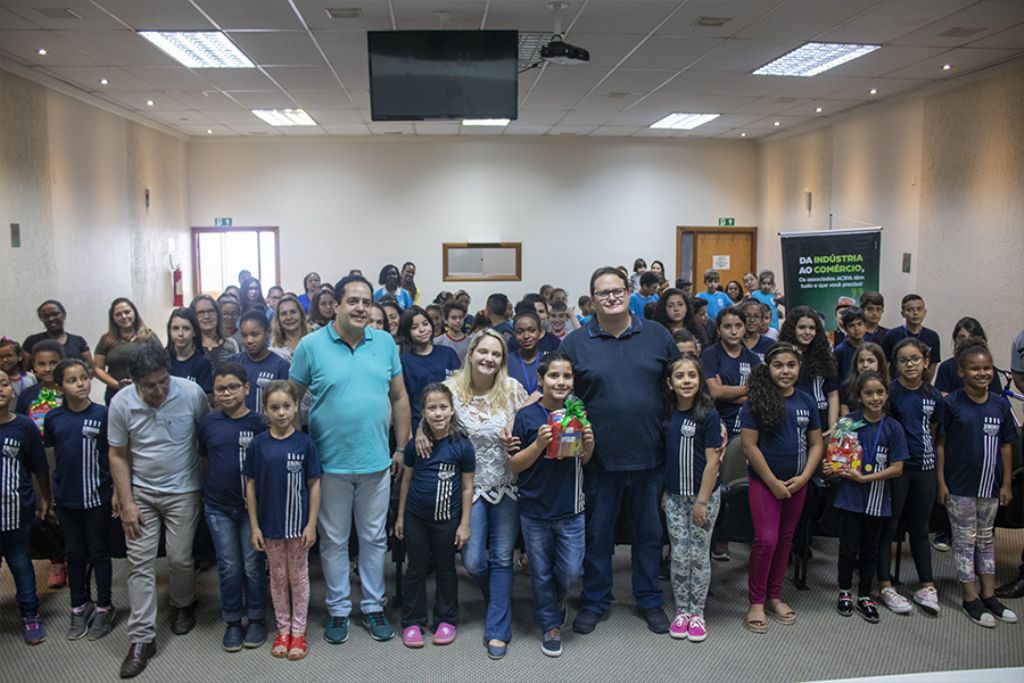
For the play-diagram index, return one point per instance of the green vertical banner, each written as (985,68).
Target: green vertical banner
(820,267)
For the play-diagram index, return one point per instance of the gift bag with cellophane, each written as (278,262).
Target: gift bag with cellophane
(844,448)
(567,430)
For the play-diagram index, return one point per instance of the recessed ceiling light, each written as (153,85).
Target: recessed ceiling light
(818,110)
(104,81)
(812,59)
(285,117)
(947,67)
(149,103)
(41,52)
(209,131)
(679,121)
(199,49)
(873,91)
(777,123)
(486,122)
(743,135)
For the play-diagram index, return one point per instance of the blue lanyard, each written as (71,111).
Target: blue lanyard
(531,385)
(873,448)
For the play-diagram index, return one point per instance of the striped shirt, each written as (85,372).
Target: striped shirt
(435,491)
(974,435)
(281,470)
(81,473)
(21,452)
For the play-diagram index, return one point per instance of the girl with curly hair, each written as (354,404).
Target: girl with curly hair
(804,329)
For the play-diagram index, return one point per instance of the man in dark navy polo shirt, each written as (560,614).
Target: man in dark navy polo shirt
(619,361)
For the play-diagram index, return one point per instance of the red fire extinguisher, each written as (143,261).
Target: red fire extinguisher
(179,296)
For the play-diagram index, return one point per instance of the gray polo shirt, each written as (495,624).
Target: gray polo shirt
(161,441)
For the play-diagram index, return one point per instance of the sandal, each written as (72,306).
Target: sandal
(755,624)
(281,645)
(786,616)
(298,647)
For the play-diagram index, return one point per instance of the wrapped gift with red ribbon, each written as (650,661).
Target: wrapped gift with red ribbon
(844,448)
(567,430)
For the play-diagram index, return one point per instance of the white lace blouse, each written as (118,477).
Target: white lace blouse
(484,422)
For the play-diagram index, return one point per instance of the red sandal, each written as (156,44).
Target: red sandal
(282,644)
(298,647)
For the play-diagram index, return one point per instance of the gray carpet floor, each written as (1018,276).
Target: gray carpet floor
(821,645)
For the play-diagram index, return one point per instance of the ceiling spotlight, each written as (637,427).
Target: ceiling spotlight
(743,135)
(873,91)
(104,81)
(149,103)
(41,52)
(209,131)
(947,67)
(818,110)
(777,123)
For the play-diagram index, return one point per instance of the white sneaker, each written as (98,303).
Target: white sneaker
(928,598)
(895,602)
(999,610)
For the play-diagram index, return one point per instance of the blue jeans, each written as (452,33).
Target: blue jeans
(14,547)
(636,493)
(488,559)
(242,570)
(367,496)
(555,548)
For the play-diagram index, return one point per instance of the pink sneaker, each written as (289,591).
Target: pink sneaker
(680,626)
(444,634)
(696,632)
(412,637)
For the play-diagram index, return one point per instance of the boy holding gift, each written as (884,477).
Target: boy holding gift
(556,442)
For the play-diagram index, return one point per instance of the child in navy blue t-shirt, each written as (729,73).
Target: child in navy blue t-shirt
(804,329)
(974,467)
(184,346)
(913,310)
(551,500)
(863,497)
(22,459)
(434,507)
(782,441)
(82,492)
(423,362)
(693,444)
(282,491)
(966,332)
(869,358)
(262,366)
(224,438)
(727,366)
(524,361)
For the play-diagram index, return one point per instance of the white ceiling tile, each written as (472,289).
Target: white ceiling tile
(741,13)
(549,100)
(764,106)
(606,49)
(569,79)
(375,15)
(545,117)
(670,52)
(251,14)
(170,77)
(637,81)
(518,15)
(963,59)
(256,128)
(157,15)
(604,102)
(585,117)
(346,129)
(734,120)
(238,79)
(885,60)
(137,100)
(888,20)
(231,116)
(526,129)
(437,128)
(614,131)
(813,87)
(804,19)
(744,55)
(303,77)
(464,15)
(622,17)
(262,99)
(344,48)
(354,77)
(1010,38)
(324,116)
(991,15)
(88,78)
(22,46)
(828,107)
(297,131)
(385,127)
(200,130)
(885,87)
(182,117)
(748,85)
(118,48)
(10,20)
(696,82)
(278,48)
(360,97)
(571,130)
(203,100)
(488,131)
(322,99)
(92,17)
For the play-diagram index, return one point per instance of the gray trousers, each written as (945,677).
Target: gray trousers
(178,513)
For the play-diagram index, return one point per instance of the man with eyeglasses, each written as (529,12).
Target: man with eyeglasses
(355,376)
(154,462)
(619,361)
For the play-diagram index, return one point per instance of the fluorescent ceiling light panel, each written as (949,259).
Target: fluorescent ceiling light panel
(814,58)
(486,122)
(199,49)
(285,117)
(684,121)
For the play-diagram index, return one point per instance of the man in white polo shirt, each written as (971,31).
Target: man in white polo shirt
(154,462)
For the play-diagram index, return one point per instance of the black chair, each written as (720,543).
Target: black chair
(735,523)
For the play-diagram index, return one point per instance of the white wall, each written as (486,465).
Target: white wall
(575,204)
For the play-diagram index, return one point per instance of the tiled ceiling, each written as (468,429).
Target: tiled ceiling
(648,59)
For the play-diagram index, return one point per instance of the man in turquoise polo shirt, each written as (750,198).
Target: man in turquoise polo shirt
(355,376)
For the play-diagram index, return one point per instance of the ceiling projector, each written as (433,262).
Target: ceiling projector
(559,52)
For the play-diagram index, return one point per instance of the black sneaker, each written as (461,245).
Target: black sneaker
(552,643)
(976,612)
(585,621)
(999,610)
(844,605)
(103,622)
(867,609)
(657,620)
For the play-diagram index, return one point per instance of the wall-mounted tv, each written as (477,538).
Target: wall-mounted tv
(422,75)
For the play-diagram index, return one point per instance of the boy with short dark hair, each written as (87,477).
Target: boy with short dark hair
(873,305)
(766,295)
(648,294)
(913,310)
(854,325)
(583,303)
(558,319)
(716,298)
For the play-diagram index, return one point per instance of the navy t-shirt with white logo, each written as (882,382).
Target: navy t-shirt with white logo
(686,442)
(917,410)
(731,372)
(883,443)
(948,379)
(260,373)
(419,371)
(974,433)
(784,445)
(435,492)
(21,452)
(819,388)
(81,472)
(224,442)
(549,488)
(281,469)
(195,368)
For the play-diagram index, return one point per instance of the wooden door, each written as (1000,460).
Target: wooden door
(730,251)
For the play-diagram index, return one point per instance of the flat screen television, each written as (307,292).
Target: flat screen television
(422,75)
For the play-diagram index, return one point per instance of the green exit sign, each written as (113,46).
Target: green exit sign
(222,222)
(727,222)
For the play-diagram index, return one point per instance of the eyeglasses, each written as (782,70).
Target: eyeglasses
(912,360)
(606,294)
(227,388)
(209,311)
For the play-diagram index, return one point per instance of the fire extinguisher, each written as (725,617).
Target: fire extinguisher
(179,296)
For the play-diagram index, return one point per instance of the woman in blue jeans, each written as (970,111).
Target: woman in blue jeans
(486,401)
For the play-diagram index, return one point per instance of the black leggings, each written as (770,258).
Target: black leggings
(858,547)
(913,496)
(425,542)
(86,538)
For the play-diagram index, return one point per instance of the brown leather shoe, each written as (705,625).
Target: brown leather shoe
(138,656)
(1013,589)
(183,619)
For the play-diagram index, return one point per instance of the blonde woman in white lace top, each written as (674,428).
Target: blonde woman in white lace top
(486,400)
